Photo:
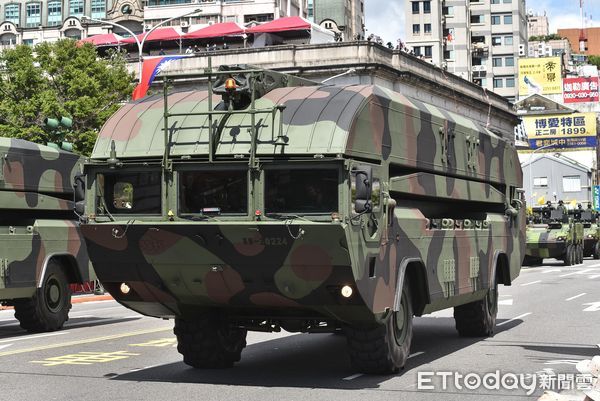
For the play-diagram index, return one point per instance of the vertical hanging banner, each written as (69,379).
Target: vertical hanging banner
(580,89)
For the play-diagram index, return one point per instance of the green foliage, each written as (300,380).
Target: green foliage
(594,60)
(60,79)
(545,38)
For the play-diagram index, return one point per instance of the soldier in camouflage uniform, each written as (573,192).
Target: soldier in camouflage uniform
(275,203)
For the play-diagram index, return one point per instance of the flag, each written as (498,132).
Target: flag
(541,200)
(150,68)
(573,203)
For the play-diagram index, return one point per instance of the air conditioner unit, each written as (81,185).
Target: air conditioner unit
(147,26)
(184,24)
(211,22)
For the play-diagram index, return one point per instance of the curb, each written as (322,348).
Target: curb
(79,299)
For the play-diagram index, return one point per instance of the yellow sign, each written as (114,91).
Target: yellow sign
(540,75)
(561,131)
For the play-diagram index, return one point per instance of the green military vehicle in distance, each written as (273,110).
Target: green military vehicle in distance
(552,234)
(591,231)
(41,248)
(270,202)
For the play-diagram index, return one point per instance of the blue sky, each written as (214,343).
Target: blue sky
(386,17)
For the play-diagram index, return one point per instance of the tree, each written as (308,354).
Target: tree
(594,60)
(60,79)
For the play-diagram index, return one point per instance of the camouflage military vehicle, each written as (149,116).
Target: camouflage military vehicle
(591,231)
(553,235)
(268,202)
(41,249)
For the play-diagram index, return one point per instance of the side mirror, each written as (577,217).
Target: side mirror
(79,187)
(364,188)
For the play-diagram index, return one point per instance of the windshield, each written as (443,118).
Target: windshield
(213,191)
(130,192)
(301,191)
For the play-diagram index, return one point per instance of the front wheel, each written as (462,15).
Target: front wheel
(49,307)
(383,349)
(478,319)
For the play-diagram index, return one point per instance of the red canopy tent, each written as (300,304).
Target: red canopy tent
(215,31)
(105,39)
(156,35)
(281,25)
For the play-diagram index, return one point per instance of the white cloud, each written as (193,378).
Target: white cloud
(385,18)
(564,13)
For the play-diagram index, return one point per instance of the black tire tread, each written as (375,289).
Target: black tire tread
(473,320)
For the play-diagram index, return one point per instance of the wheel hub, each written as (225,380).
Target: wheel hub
(53,295)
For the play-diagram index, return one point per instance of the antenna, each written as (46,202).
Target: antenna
(582,36)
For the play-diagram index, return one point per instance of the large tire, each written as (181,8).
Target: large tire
(532,261)
(568,258)
(596,253)
(580,254)
(207,342)
(478,319)
(383,349)
(49,307)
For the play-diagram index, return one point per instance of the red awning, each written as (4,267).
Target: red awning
(215,31)
(156,35)
(281,25)
(105,39)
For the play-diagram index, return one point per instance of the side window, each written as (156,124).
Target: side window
(129,192)
(123,195)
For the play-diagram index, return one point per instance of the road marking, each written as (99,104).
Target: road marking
(86,358)
(84,341)
(579,272)
(354,376)
(533,282)
(416,354)
(551,270)
(514,318)
(506,302)
(594,265)
(562,362)
(34,336)
(593,277)
(5,346)
(162,342)
(576,296)
(594,307)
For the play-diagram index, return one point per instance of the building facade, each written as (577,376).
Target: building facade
(592,40)
(478,40)
(537,25)
(344,17)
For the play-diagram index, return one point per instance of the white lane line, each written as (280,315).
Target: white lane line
(593,307)
(506,302)
(87,311)
(593,277)
(354,376)
(576,296)
(514,318)
(533,282)
(5,346)
(416,354)
(58,333)
(550,271)
(594,265)
(579,272)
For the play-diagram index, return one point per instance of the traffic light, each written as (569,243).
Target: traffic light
(56,126)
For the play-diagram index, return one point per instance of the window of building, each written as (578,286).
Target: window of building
(415,7)
(428,51)
(510,82)
(28,42)
(497,61)
(98,8)
(571,183)
(477,19)
(76,8)
(427,29)
(258,18)
(540,182)
(416,29)
(498,83)
(449,54)
(54,12)
(33,12)
(508,40)
(496,40)
(417,50)
(448,10)
(495,2)
(508,20)
(495,20)
(509,61)
(167,2)
(11,13)
(507,1)
(427,7)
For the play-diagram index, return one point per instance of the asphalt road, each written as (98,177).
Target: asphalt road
(548,320)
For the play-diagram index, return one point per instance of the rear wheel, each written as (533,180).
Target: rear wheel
(597,250)
(208,342)
(383,349)
(478,319)
(49,307)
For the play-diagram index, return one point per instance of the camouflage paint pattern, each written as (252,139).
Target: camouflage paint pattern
(591,234)
(38,222)
(552,240)
(453,181)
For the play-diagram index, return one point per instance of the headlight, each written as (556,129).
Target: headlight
(560,239)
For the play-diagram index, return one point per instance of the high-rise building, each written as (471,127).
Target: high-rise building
(345,17)
(478,40)
(537,25)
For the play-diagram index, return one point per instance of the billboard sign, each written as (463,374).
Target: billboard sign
(581,89)
(540,75)
(564,131)
(596,197)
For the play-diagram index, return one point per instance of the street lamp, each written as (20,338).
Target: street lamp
(530,172)
(139,43)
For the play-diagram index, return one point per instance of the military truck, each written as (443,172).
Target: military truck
(591,232)
(41,246)
(269,202)
(552,234)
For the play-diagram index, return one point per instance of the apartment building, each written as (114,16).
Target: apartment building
(537,25)
(344,17)
(476,39)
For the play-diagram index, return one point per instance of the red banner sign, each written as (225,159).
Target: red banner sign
(582,89)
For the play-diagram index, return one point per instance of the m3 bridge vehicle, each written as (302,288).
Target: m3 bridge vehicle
(269,202)
(552,234)
(41,248)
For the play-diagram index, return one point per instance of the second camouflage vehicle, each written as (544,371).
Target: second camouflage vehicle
(275,203)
